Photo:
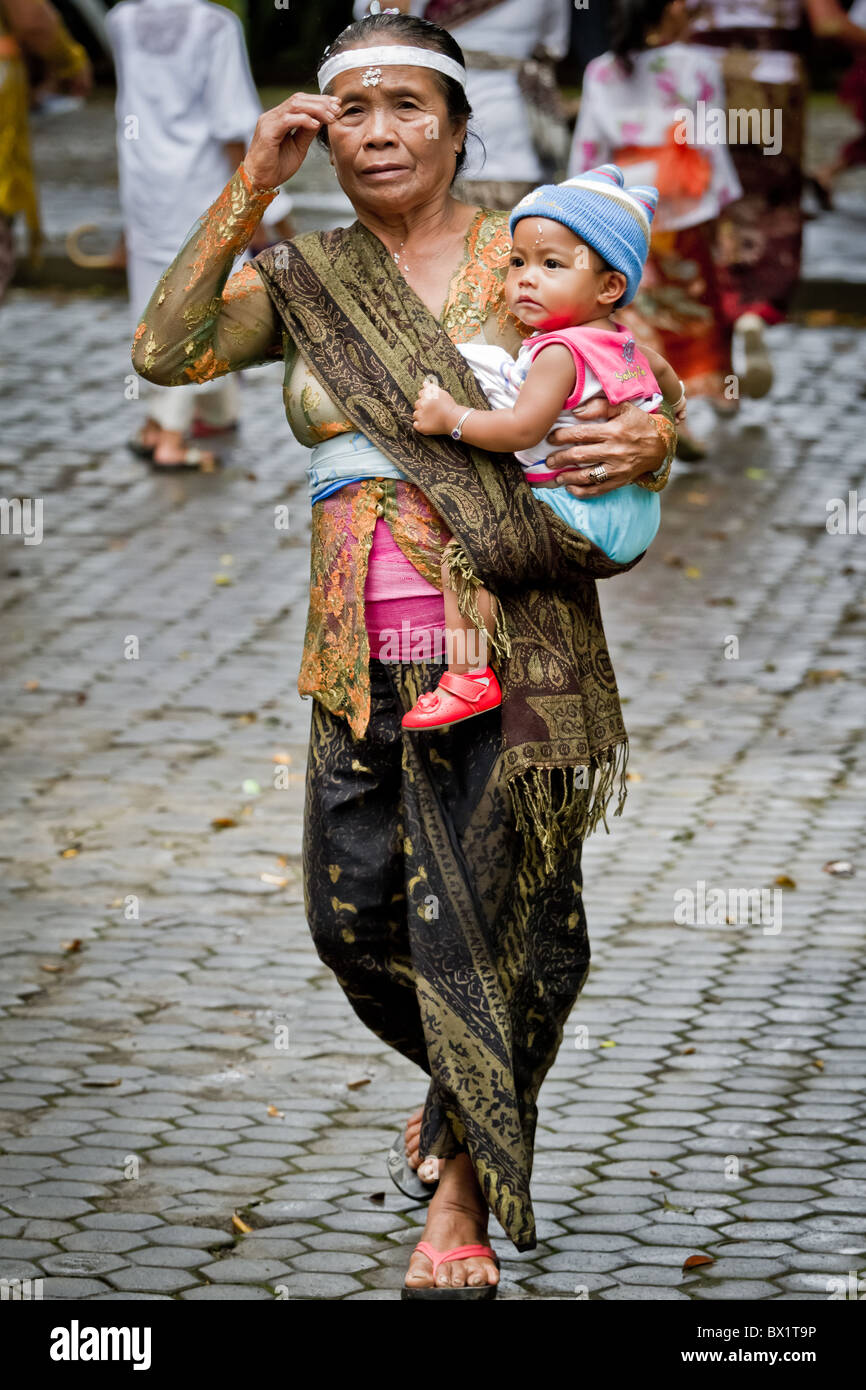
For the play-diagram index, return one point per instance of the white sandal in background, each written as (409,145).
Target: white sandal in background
(756,378)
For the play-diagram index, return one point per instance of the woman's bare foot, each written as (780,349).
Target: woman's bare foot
(413,1134)
(172,449)
(457,1215)
(428,1169)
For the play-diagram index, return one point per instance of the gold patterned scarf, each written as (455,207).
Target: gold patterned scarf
(370,341)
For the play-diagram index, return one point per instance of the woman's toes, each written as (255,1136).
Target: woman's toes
(475,1273)
(420,1272)
(413,1138)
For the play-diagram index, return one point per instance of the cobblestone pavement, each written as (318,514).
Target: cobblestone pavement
(155,966)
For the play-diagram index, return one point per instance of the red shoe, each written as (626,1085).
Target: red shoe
(455,698)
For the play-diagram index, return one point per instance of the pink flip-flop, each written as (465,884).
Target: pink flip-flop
(440,1257)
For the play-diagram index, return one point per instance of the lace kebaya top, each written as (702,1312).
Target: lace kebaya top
(202,322)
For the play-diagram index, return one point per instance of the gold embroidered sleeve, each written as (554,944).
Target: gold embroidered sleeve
(663,419)
(200,322)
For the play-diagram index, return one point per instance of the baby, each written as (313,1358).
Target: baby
(578,253)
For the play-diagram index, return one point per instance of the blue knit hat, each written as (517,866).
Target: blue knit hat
(613,220)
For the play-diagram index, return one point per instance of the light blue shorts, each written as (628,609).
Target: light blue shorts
(622,523)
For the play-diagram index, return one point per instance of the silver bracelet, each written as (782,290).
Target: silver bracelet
(457,432)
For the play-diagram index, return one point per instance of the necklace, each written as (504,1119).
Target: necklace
(398,259)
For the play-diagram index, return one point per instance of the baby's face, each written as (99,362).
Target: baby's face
(554,279)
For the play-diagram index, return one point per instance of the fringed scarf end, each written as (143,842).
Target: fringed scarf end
(557,805)
(466,583)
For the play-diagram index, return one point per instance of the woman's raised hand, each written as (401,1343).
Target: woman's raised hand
(622,437)
(283,135)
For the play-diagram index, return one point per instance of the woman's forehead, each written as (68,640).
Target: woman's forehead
(385,82)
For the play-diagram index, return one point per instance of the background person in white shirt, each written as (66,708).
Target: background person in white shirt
(186,111)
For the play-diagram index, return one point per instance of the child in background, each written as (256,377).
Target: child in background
(578,253)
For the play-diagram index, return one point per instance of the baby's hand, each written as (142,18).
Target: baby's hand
(680,415)
(434,410)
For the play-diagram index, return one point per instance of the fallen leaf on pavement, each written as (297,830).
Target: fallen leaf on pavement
(69,853)
(274,879)
(240,1225)
(832,673)
(377,1197)
(356,1085)
(72,945)
(282,758)
(692,572)
(223,822)
(784,881)
(52,969)
(275,1113)
(694,1260)
(816,1062)
(95,1084)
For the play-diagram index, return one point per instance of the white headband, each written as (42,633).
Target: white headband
(388,55)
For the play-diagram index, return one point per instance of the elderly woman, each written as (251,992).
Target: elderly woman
(442,870)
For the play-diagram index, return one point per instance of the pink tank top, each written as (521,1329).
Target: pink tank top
(624,372)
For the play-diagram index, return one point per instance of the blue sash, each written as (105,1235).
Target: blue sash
(347,458)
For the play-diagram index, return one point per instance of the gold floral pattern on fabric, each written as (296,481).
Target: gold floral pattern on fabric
(476,293)
(335,662)
(200,322)
(663,419)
